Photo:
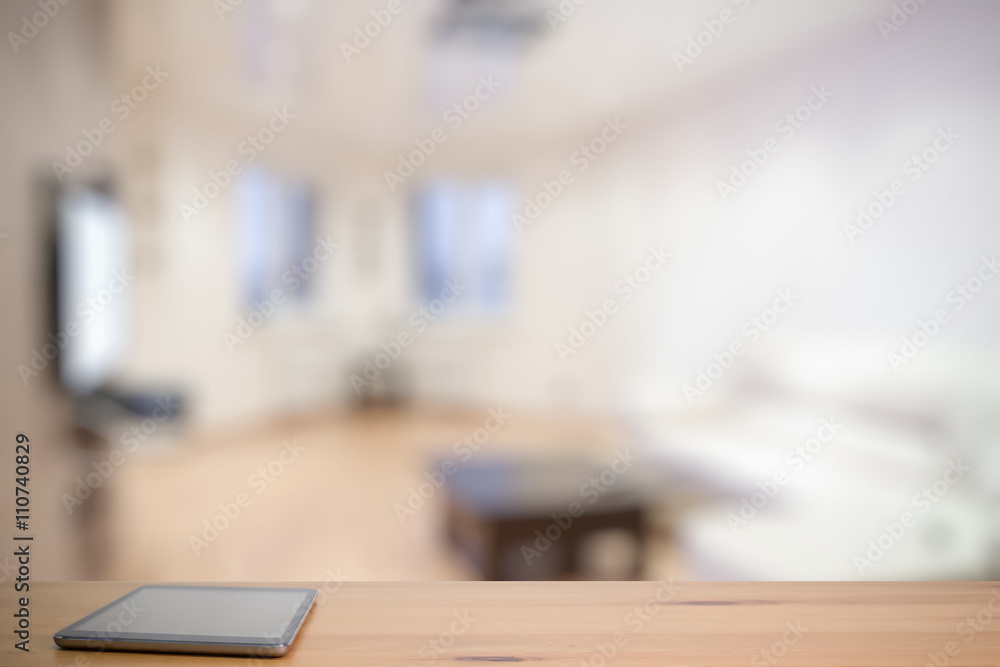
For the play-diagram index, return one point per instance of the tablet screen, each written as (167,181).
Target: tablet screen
(253,614)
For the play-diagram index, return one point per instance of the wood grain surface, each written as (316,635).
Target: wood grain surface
(633,624)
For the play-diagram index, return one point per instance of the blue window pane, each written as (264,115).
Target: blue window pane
(495,208)
(302,230)
(465,233)
(277,232)
(438,226)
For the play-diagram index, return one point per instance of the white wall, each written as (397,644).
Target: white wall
(655,186)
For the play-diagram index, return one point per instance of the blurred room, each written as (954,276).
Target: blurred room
(504,289)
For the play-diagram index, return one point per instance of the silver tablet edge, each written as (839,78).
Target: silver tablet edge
(205,648)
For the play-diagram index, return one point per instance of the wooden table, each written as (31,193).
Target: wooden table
(564,623)
(526,520)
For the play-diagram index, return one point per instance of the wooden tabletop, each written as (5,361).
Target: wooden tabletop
(635,624)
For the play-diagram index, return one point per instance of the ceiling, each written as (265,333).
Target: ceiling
(559,78)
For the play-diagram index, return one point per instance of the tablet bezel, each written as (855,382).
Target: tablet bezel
(193,642)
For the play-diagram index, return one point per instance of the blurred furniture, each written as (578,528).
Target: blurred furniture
(644,624)
(899,435)
(388,387)
(533,520)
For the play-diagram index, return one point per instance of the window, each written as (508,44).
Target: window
(93,275)
(277,224)
(464,234)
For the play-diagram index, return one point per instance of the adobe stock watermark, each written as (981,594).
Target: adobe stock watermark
(914,168)
(437,647)
(786,126)
(121,108)
(928,329)
(899,17)
(250,148)
(752,330)
(595,319)
(259,481)
(327,588)
(128,612)
(88,311)
(31,25)
(712,30)
(562,12)
(464,449)
(582,158)
(419,321)
(773,654)
(590,492)
(130,441)
(455,116)
(331,585)
(365,34)
(922,501)
(293,277)
(225,7)
(796,458)
(967,630)
(291,607)
(634,621)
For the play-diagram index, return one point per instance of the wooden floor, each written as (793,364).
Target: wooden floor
(568,624)
(328,513)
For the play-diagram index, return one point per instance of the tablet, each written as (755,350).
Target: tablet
(230,620)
